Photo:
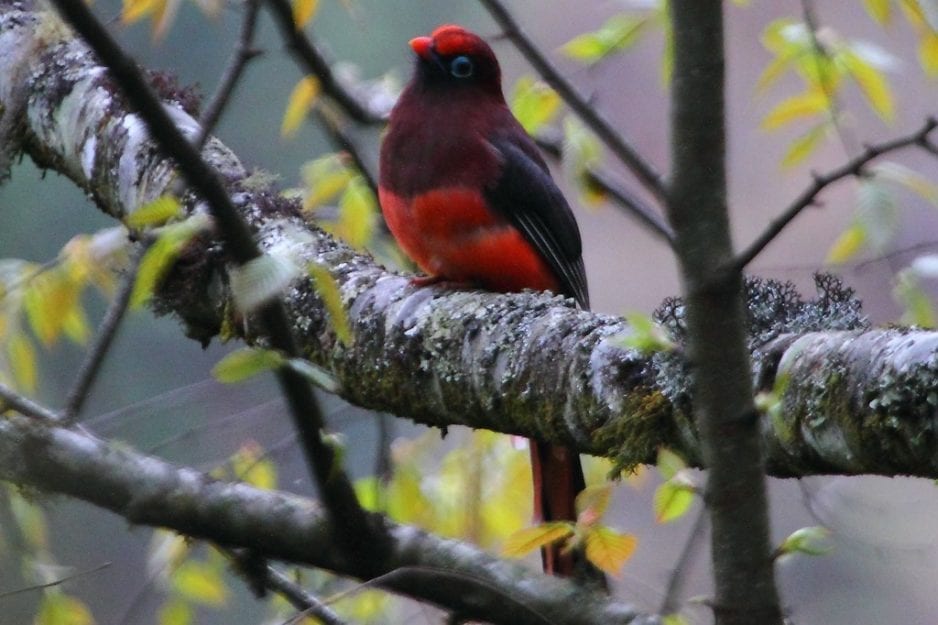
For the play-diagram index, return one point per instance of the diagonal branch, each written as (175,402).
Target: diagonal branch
(629,156)
(808,197)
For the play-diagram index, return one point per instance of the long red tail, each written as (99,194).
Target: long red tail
(558,479)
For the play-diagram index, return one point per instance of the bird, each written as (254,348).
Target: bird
(467,195)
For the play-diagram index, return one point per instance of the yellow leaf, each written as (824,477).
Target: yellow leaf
(672,500)
(303,11)
(76,326)
(530,538)
(200,583)
(251,466)
(847,245)
(807,104)
(592,502)
(155,213)
(134,10)
(872,84)
(324,178)
(23,362)
(60,609)
(175,612)
(879,10)
(928,53)
(160,256)
(244,363)
(49,299)
(608,549)
(357,214)
(328,290)
(802,147)
(301,101)
(773,72)
(913,12)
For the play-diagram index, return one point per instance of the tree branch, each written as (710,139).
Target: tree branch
(148,491)
(527,364)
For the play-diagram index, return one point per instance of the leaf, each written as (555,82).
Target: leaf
(244,363)
(645,335)
(803,146)
(872,83)
(608,549)
(175,612)
(673,498)
(616,34)
(135,10)
(328,290)
(357,214)
(810,541)
(249,465)
(928,53)
(155,213)
(262,279)
(807,104)
(534,103)
(315,374)
(324,179)
(847,245)
(23,362)
(200,583)
(907,178)
(57,608)
(908,291)
(592,502)
(877,213)
(301,101)
(530,538)
(879,10)
(669,463)
(48,300)
(369,492)
(303,11)
(160,256)
(674,619)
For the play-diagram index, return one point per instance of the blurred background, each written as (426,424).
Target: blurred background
(155,389)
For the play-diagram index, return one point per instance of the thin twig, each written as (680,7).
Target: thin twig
(88,372)
(315,62)
(583,108)
(67,578)
(243,53)
(618,193)
(672,596)
(358,533)
(808,197)
(344,141)
(11,400)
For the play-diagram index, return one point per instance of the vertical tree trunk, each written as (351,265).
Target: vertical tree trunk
(728,422)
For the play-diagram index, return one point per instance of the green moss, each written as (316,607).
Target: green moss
(647,423)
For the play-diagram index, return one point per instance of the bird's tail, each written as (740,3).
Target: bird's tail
(558,479)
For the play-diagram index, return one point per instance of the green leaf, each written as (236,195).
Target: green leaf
(908,291)
(807,104)
(23,362)
(200,583)
(262,279)
(877,213)
(810,541)
(155,213)
(299,104)
(175,612)
(528,539)
(803,146)
(357,214)
(609,549)
(244,363)
(160,256)
(315,374)
(328,290)
(369,492)
(324,179)
(847,245)
(616,34)
(673,498)
(872,83)
(674,619)
(669,463)
(534,103)
(57,608)
(879,10)
(645,335)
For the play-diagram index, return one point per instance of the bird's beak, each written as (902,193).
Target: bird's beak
(423,46)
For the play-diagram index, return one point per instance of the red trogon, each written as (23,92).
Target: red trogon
(469,198)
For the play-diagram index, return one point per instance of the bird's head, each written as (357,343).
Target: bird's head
(451,56)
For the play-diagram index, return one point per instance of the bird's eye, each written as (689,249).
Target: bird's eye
(461,67)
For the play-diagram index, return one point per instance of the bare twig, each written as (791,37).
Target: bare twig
(11,400)
(672,596)
(584,109)
(808,197)
(344,141)
(620,195)
(57,582)
(77,395)
(359,534)
(243,53)
(315,62)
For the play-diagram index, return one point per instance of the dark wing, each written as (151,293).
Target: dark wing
(528,197)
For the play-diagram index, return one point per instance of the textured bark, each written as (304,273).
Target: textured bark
(146,490)
(528,364)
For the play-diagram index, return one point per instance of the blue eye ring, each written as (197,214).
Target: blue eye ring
(461,67)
